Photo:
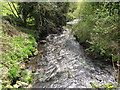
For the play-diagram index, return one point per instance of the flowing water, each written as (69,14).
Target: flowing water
(62,63)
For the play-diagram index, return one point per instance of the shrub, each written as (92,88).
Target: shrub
(99,26)
(13,73)
(16,48)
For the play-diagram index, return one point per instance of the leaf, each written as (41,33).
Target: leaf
(44,41)
(93,85)
(36,52)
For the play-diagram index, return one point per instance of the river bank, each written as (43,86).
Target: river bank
(17,47)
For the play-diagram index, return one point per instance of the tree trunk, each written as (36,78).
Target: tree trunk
(16,11)
(12,10)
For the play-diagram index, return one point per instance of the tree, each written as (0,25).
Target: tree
(100,28)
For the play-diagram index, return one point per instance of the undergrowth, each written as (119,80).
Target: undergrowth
(16,46)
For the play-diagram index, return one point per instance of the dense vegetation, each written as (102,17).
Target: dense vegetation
(99,28)
(44,17)
(24,23)
(17,46)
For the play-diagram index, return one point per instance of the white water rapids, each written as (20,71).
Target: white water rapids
(65,65)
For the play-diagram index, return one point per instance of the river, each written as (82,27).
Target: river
(62,63)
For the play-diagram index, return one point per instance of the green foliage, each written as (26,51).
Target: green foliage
(106,86)
(21,49)
(6,9)
(32,40)
(26,76)
(24,73)
(44,17)
(16,48)
(99,26)
(13,73)
(43,41)
(31,32)
(109,85)
(0,84)
(31,78)
(115,58)
(93,85)
(72,11)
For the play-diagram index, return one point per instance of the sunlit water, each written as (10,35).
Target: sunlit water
(62,63)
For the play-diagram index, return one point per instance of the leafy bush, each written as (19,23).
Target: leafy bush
(31,77)
(13,73)
(16,48)
(99,26)
(26,76)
